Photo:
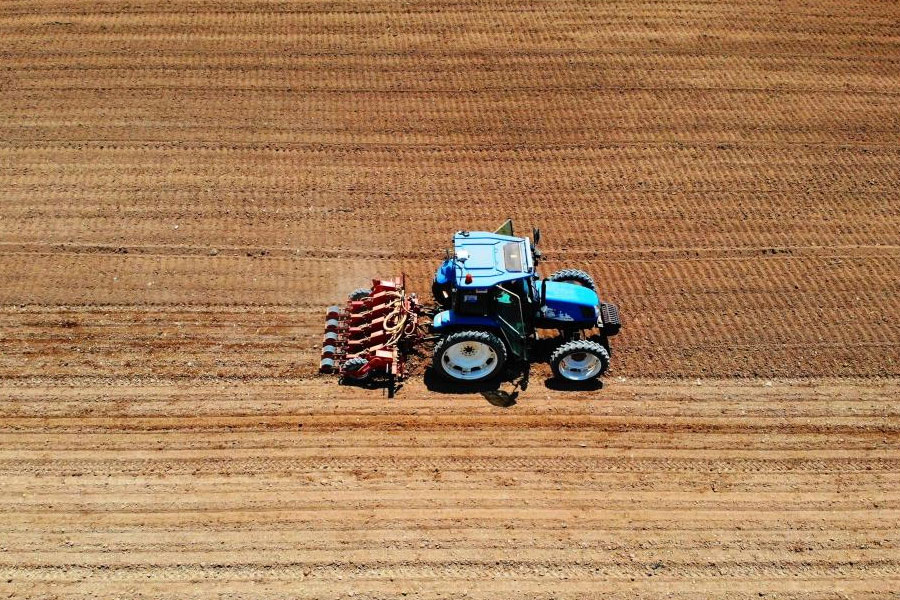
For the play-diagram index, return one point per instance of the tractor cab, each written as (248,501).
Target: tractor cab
(488,283)
(489,286)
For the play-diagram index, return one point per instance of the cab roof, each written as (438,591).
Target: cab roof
(491,258)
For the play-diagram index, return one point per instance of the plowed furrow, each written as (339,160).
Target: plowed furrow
(187,184)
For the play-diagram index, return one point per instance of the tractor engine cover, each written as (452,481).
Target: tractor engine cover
(569,306)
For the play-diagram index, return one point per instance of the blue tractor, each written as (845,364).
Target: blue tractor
(493,304)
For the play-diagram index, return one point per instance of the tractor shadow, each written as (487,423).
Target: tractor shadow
(490,390)
(516,375)
(562,385)
(383,385)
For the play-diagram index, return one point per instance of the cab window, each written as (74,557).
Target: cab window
(512,257)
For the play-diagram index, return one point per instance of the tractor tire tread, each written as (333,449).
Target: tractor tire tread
(575,275)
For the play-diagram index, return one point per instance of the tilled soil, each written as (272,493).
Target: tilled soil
(306,489)
(185,185)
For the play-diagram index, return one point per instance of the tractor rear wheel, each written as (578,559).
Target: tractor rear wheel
(576,276)
(470,356)
(579,360)
(359,294)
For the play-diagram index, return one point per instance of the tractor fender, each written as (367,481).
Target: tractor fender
(451,319)
(445,273)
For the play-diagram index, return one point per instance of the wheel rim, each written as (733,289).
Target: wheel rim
(469,360)
(579,366)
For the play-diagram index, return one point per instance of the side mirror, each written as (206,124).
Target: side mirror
(536,237)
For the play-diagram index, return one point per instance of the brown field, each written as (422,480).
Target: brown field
(185,185)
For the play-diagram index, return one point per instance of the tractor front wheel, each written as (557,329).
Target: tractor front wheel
(579,360)
(470,356)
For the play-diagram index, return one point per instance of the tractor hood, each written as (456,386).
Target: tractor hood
(570,302)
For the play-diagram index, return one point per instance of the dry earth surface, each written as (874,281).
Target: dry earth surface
(185,185)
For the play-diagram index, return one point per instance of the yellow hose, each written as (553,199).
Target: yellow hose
(395,322)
